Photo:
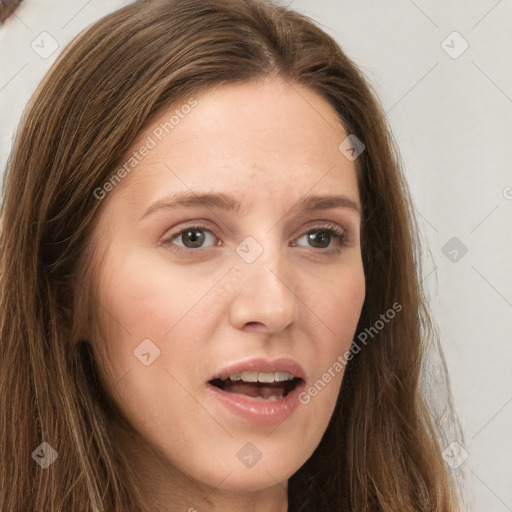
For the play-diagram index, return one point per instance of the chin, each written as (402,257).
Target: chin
(268,471)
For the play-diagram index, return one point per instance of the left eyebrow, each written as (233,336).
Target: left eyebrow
(220,200)
(326,202)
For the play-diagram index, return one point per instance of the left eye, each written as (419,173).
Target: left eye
(321,237)
(194,237)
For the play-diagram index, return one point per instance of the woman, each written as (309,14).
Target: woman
(210,297)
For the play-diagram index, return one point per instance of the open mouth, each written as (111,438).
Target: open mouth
(258,385)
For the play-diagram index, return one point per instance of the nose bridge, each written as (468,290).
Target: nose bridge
(265,292)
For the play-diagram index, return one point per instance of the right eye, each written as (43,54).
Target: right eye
(192,237)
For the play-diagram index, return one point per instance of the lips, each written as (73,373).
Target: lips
(258,403)
(260,379)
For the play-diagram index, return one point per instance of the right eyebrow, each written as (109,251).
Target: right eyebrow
(184,199)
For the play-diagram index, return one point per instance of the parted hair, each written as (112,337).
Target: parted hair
(380,451)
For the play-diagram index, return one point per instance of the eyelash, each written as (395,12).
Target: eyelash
(331,229)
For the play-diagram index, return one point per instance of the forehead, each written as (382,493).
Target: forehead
(254,138)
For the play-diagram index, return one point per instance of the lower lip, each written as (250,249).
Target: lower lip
(263,413)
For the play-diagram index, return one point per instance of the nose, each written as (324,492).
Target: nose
(265,294)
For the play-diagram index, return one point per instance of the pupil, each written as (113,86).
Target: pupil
(321,236)
(194,236)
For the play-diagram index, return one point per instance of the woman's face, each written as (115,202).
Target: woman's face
(244,282)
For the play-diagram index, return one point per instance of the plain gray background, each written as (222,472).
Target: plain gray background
(448,99)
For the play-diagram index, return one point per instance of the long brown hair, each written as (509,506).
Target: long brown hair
(380,451)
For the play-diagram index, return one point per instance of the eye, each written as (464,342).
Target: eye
(192,237)
(197,236)
(322,236)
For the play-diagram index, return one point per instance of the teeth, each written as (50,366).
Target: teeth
(249,376)
(272,398)
(283,376)
(266,377)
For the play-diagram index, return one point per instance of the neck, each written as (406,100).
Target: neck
(268,500)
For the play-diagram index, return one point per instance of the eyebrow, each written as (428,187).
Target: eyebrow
(222,201)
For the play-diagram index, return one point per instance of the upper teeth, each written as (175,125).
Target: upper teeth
(260,376)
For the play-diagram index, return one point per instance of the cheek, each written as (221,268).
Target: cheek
(148,297)
(154,320)
(142,309)
(338,301)
(158,313)
(347,304)
(336,304)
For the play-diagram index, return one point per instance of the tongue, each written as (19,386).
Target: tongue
(256,389)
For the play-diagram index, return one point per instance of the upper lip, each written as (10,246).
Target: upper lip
(282,364)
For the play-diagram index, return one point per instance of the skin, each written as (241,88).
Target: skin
(266,144)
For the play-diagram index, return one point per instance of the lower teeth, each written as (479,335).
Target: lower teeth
(269,399)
